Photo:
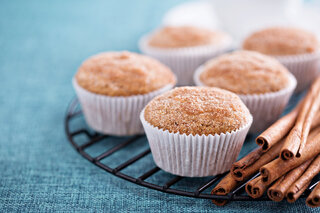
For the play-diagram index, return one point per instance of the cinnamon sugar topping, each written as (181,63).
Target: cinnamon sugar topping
(123,74)
(245,72)
(197,110)
(282,41)
(185,36)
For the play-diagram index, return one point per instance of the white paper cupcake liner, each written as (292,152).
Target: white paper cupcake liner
(305,68)
(194,156)
(184,61)
(265,108)
(114,115)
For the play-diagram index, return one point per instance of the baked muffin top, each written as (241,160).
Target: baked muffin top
(185,36)
(197,110)
(245,72)
(280,41)
(123,74)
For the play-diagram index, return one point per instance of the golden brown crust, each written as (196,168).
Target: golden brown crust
(280,41)
(197,110)
(185,36)
(245,72)
(123,74)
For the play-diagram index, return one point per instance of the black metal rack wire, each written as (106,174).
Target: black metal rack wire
(93,138)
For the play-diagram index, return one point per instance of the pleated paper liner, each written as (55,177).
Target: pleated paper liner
(304,67)
(114,115)
(194,156)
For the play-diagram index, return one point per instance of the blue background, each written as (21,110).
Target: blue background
(42,43)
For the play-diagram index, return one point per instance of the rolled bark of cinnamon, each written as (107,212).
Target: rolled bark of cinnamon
(278,190)
(294,196)
(256,187)
(225,186)
(316,121)
(246,161)
(278,167)
(313,199)
(306,177)
(315,105)
(297,138)
(278,130)
(250,164)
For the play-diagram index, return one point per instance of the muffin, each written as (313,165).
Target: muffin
(184,48)
(113,88)
(196,131)
(297,49)
(185,36)
(262,83)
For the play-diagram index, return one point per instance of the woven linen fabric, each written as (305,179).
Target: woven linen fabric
(42,44)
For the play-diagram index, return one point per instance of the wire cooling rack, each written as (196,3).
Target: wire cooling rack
(134,151)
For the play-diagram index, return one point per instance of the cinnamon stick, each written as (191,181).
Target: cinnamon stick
(278,130)
(256,187)
(316,121)
(294,196)
(250,164)
(225,186)
(247,160)
(278,167)
(305,178)
(313,199)
(297,138)
(278,190)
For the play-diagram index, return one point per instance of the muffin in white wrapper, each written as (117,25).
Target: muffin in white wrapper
(183,61)
(265,108)
(296,48)
(196,131)
(114,115)
(113,88)
(194,155)
(304,67)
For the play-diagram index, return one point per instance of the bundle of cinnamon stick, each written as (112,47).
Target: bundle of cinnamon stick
(287,159)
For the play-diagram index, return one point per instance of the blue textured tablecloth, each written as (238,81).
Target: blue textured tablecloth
(41,45)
